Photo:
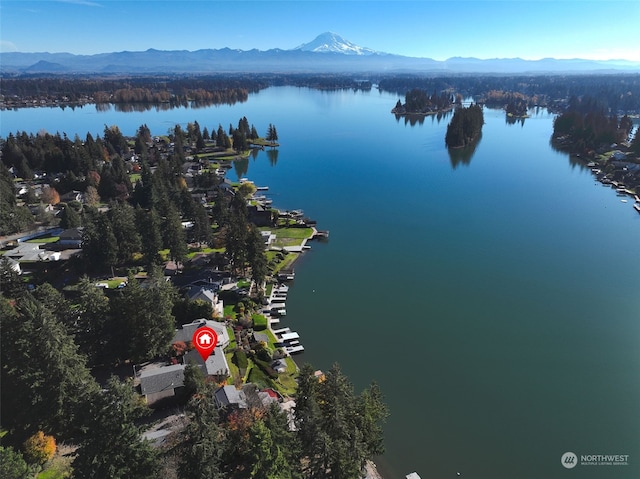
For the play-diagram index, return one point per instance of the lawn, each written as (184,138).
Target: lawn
(263,142)
(193,253)
(259,322)
(115,282)
(285,383)
(229,311)
(46,239)
(296,233)
(232,340)
(233,369)
(286,262)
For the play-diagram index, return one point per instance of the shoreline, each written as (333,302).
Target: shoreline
(371,470)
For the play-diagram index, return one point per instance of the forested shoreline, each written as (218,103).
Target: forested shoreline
(61,338)
(619,91)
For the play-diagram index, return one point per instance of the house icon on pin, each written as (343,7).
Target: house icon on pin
(205,339)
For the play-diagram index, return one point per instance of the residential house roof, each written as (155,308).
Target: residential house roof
(207,293)
(215,365)
(260,337)
(185,333)
(203,293)
(230,396)
(161,379)
(72,233)
(249,395)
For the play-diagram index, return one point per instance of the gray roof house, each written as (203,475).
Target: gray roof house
(215,365)
(185,333)
(209,294)
(159,383)
(229,397)
(71,237)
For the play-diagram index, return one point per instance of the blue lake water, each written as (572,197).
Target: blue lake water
(495,302)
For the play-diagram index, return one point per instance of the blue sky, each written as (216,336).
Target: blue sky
(604,29)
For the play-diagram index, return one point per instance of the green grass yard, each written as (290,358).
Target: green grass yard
(47,239)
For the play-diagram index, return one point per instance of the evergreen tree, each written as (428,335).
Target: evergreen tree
(202,441)
(52,300)
(148,224)
(123,224)
(308,419)
(339,431)
(237,233)
(174,238)
(256,255)
(69,218)
(272,133)
(13,465)
(113,446)
(92,330)
(144,319)
(45,381)
(194,380)
(99,244)
(10,284)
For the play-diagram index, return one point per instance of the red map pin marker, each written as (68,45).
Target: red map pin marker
(204,340)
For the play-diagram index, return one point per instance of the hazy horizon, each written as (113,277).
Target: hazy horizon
(530,30)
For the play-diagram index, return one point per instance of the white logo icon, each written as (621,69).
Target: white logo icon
(204,340)
(569,460)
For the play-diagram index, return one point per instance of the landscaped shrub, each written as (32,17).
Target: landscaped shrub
(39,448)
(264,353)
(266,368)
(240,359)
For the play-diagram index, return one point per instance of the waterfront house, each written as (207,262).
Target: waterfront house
(185,333)
(216,364)
(259,215)
(229,398)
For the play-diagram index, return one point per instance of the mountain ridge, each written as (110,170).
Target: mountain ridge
(327,53)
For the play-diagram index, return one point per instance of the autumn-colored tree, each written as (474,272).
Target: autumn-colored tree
(179,348)
(39,448)
(50,196)
(91,196)
(93,178)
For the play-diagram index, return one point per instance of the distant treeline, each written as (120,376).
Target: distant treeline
(148,90)
(617,92)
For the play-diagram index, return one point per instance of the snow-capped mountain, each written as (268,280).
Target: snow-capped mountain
(328,53)
(330,42)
